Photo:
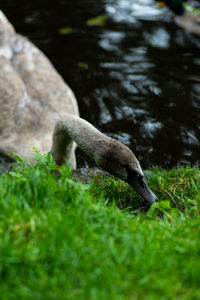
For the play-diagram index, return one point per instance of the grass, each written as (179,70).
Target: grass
(60,239)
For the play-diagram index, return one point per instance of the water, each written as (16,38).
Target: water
(137,79)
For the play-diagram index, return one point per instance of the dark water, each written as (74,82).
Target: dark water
(137,79)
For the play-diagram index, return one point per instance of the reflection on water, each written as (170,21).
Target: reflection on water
(130,11)
(159,38)
(137,79)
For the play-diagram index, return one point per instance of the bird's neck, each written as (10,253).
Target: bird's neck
(74,129)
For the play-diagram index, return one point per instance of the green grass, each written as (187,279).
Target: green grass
(60,239)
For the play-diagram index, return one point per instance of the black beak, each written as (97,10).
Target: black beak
(139,184)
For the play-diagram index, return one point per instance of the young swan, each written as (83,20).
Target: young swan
(109,154)
(189,21)
(35,101)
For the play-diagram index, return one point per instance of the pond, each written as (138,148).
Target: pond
(137,78)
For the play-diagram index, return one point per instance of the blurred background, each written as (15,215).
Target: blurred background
(135,74)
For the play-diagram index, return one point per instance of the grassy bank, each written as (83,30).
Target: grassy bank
(60,239)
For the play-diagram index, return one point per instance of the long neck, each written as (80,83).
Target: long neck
(78,130)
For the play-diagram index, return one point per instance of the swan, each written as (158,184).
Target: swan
(38,109)
(184,19)
(189,21)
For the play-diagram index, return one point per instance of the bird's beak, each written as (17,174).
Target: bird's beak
(161,3)
(139,184)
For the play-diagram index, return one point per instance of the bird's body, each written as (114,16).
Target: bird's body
(33,96)
(186,20)
(38,109)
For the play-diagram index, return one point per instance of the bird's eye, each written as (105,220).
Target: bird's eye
(132,173)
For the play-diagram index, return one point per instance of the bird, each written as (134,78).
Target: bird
(38,109)
(186,20)
(189,21)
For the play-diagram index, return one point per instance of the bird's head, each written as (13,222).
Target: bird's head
(117,159)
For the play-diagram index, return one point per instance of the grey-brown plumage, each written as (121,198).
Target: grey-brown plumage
(33,96)
(36,104)
(189,21)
